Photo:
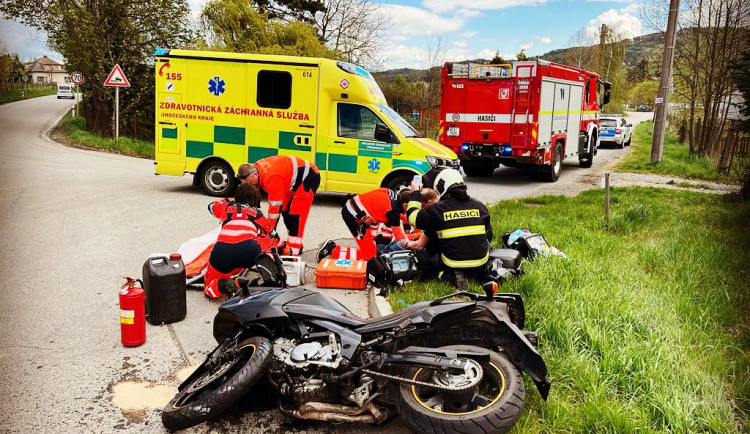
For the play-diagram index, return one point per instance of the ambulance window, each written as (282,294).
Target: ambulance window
(274,89)
(357,122)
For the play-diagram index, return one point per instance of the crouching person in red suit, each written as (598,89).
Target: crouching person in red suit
(245,234)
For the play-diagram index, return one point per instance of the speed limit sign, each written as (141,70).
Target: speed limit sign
(76,77)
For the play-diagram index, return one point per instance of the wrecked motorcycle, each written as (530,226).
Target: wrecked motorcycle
(443,365)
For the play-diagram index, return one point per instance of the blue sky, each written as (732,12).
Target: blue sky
(466,29)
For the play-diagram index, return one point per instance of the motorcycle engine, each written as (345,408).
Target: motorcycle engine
(302,355)
(299,360)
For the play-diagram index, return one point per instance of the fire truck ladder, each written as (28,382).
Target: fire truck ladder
(519,118)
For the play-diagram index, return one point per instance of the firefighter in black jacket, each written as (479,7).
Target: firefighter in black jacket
(460,224)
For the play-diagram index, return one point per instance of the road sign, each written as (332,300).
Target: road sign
(117,78)
(76,77)
(659,100)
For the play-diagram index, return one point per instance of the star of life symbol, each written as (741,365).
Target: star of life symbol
(216,86)
(373,165)
(343,262)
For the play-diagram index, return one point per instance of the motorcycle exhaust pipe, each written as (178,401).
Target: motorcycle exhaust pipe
(339,413)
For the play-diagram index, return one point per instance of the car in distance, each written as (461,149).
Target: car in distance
(65,91)
(614,129)
(643,108)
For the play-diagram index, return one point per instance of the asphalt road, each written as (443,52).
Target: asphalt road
(73,222)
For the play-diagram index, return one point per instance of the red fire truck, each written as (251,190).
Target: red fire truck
(531,114)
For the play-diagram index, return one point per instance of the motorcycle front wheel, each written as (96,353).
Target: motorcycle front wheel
(492,406)
(224,378)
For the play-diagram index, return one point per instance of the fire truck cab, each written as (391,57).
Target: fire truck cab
(531,114)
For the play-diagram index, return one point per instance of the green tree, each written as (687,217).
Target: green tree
(521,55)
(644,92)
(94,35)
(237,26)
(496,60)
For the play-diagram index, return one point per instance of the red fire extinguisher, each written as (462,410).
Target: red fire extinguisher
(132,313)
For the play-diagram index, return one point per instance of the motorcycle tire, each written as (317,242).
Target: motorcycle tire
(501,391)
(205,397)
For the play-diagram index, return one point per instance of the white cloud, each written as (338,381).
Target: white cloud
(28,42)
(545,40)
(405,56)
(468,35)
(407,21)
(442,6)
(461,44)
(625,24)
(527,46)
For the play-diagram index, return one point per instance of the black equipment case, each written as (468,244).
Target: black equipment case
(164,283)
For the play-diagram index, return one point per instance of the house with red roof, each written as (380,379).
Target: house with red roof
(47,71)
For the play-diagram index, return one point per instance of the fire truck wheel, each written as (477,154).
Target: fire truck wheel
(551,173)
(587,160)
(216,179)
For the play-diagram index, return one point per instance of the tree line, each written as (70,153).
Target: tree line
(94,35)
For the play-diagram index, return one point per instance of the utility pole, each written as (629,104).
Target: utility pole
(666,79)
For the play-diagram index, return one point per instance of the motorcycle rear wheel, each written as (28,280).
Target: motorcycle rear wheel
(216,389)
(492,406)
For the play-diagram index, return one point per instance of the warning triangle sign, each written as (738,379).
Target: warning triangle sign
(117,78)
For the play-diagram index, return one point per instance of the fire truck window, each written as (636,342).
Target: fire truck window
(357,122)
(599,93)
(274,89)
(588,92)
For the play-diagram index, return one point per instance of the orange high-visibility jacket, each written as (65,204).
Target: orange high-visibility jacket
(280,176)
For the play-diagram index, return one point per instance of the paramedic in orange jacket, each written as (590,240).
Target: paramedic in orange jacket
(364,212)
(291,183)
(245,233)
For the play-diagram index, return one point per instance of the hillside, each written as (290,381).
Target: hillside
(639,48)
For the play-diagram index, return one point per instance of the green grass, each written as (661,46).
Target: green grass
(74,130)
(644,329)
(676,158)
(32,91)
(685,184)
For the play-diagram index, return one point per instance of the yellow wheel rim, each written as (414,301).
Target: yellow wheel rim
(494,400)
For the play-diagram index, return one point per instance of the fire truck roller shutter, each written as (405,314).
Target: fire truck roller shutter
(575,105)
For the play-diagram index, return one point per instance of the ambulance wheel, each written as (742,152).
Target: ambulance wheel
(551,173)
(217,179)
(399,182)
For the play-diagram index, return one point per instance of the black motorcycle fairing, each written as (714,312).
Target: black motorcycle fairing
(418,313)
(317,305)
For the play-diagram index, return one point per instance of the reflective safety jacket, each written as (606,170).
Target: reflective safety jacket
(459,223)
(382,205)
(280,176)
(241,222)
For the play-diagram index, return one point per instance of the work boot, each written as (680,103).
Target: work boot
(325,250)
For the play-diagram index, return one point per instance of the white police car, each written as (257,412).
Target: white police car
(615,129)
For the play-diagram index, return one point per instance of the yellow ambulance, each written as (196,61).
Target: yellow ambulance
(215,111)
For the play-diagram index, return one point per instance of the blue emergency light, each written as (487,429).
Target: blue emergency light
(507,150)
(161,52)
(465,147)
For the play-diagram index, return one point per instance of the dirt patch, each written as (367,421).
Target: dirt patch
(132,396)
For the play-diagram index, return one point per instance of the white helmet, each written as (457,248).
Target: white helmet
(446,179)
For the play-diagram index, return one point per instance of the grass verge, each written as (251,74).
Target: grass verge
(676,161)
(72,131)
(644,329)
(31,92)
